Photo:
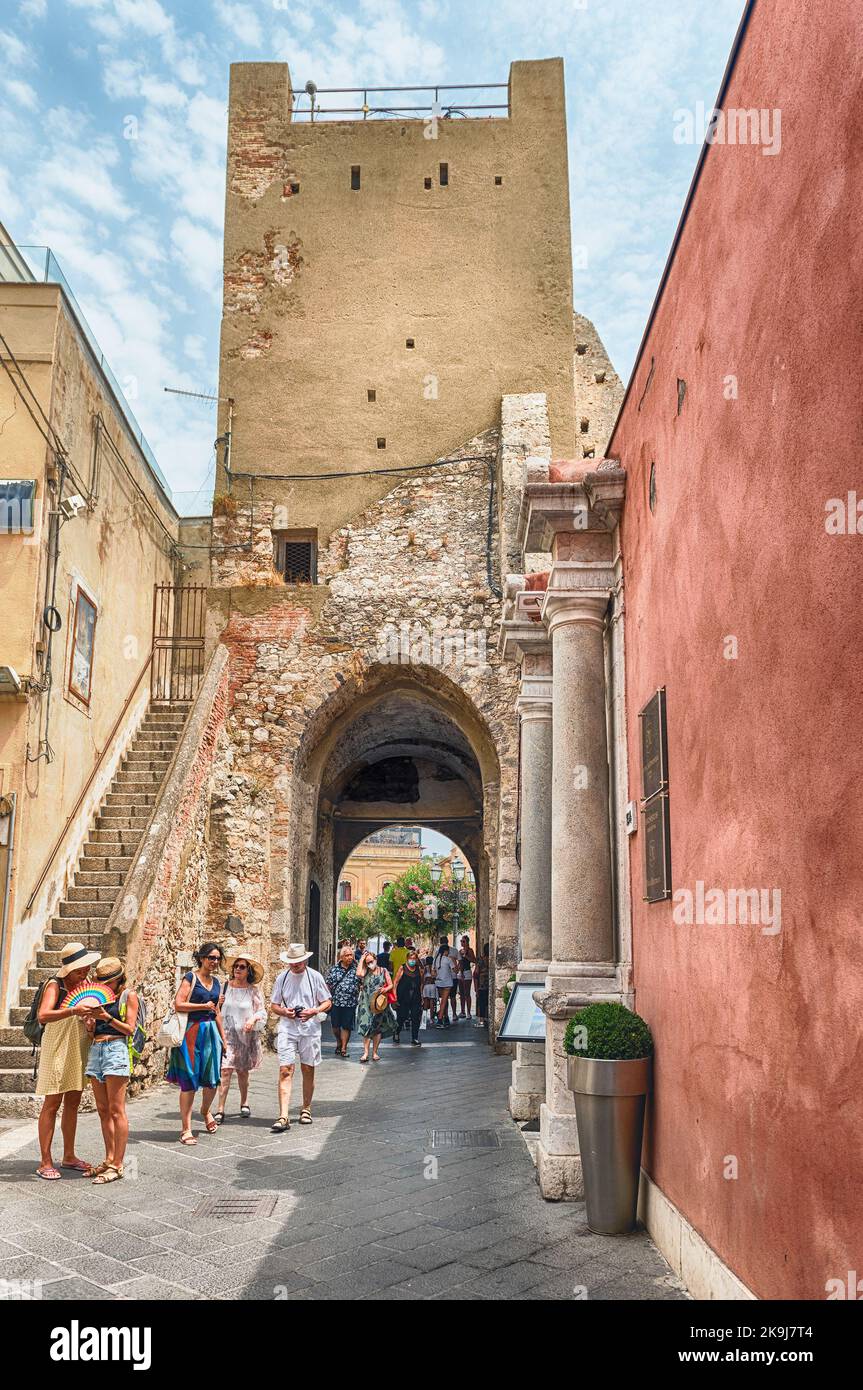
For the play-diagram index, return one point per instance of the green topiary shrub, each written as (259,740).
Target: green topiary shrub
(608,1031)
(506,989)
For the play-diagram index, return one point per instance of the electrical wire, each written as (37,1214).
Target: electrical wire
(360,472)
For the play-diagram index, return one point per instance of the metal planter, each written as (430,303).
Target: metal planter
(609,1110)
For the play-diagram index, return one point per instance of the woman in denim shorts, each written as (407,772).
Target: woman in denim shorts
(109,1066)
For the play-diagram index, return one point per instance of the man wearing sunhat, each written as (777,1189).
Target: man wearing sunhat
(300,999)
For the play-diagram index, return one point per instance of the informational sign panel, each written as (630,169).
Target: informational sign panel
(524,1020)
(654,746)
(656,830)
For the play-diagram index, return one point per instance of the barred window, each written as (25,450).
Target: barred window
(295,556)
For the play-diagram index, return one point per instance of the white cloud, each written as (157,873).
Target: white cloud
(242,20)
(10,203)
(22,93)
(33,9)
(162,93)
(14,51)
(200,254)
(84,175)
(147,16)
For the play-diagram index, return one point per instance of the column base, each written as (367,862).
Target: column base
(527,1091)
(559,1176)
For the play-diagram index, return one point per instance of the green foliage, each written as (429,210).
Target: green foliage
(355,921)
(608,1031)
(506,989)
(402,908)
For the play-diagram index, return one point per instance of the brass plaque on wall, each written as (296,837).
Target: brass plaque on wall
(654,746)
(656,830)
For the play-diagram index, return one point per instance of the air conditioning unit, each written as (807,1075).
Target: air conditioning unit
(10,682)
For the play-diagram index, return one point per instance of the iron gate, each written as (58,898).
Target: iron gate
(178,642)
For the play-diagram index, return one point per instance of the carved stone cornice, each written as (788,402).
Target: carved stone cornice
(522,632)
(590,503)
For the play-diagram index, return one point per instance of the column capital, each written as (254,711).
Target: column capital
(586,500)
(522,633)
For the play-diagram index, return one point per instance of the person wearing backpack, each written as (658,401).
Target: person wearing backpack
(60,1034)
(112,1030)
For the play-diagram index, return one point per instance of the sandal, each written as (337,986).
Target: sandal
(49,1174)
(219,1117)
(95,1169)
(363,1060)
(245,1111)
(305,1116)
(111,1174)
(187,1137)
(79,1166)
(375,1057)
(282,1123)
(210,1124)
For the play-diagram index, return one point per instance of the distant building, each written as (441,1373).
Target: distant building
(377,862)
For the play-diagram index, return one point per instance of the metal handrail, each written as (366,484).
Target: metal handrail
(87,785)
(365,110)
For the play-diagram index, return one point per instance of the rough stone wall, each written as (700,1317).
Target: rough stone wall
(300,655)
(598,391)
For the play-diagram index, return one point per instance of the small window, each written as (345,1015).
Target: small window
(444,175)
(588,453)
(409,342)
(382,443)
(498,180)
(295,188)
(17,496)
(427,183)
(585,426)
(581,349)
(373,395)
(355,177)
(295,556)
(344,891)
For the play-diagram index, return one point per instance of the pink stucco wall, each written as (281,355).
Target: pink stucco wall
(759,1036)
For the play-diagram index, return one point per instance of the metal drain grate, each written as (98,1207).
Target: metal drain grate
(464,1139)
(228,1208)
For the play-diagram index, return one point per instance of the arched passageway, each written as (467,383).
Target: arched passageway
(410,750)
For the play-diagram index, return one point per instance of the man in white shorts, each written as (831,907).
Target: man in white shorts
(300,999)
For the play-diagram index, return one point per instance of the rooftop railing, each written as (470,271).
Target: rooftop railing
(305,103)
(32,264)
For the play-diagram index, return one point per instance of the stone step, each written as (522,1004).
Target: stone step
(117,835)
(154,744)
(131,798)
(99,862)
(94,909)
(97,878)
(16,1058)
(118,818)
(89,893)
(14,1037)
(88,930)
(21,1081)
(18,1015)
(56,940)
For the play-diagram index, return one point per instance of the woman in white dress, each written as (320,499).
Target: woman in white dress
(244,1014)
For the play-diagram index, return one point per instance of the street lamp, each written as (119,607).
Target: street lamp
(435,872)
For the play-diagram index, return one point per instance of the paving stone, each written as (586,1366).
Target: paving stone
(154,1290)
(76,1290)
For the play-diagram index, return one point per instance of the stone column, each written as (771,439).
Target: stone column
(534,708)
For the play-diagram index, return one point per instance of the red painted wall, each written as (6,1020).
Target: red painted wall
(759,1037)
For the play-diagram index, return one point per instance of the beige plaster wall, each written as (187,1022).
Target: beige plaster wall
(116,549)
(323,287)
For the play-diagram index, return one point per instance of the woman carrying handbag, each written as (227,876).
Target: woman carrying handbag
(244,1014)
(375,1017)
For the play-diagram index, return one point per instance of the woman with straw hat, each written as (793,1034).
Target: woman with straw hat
(109,1066)
(244,1014)
(62,1057)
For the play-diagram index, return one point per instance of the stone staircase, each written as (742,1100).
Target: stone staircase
(106,859)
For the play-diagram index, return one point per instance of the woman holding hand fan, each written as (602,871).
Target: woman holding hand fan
(62,1055)
(109,1065)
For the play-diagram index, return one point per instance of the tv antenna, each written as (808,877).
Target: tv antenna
(214,399)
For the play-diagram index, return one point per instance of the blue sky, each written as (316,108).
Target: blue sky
(136,222)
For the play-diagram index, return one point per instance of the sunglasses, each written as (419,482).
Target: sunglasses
(212,957)
(241,965)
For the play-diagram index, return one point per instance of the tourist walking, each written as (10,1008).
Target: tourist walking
(300,1000)
(429,990)
(62,1058)
(482,985)
(408,986)
(196,1064)
(344,986)
(244,1013)
(444,980)
(361,946)
(398,956)
(384,960)
(109,1066)
(467,961)
(373,1023)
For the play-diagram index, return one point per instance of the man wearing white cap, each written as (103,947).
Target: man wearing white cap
(300,999)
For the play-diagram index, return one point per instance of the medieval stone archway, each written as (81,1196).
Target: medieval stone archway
(413,749)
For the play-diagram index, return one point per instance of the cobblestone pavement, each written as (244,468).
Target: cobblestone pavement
(359,1211)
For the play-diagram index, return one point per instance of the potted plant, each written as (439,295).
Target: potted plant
(609,1050)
